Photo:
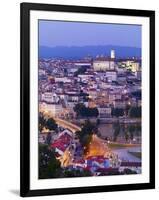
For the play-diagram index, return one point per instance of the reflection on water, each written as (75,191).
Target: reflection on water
(124,154)
(124,131)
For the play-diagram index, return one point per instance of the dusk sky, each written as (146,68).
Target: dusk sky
(57,33)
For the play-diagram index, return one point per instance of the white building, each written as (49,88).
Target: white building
(121,70)
(50,97)
(62,79)
(135,66)
(52,109)
(86,76)
(119,103)
(41,72)
(103,64)
(104,111)
(111,75)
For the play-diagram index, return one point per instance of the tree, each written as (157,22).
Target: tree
(88,127)
(131,129)
(51,124)
(129,171)
(98,122)
(42,121)
(116,127)
(126,133)
(76,173)
(127,109)
(82,110)
(85,141)
(78,107)
(48,138)
(81,70)
(117,112)
(135,112)
(49,166)
(85,135)
(138,130)
(126,136)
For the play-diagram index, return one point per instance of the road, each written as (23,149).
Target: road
(98,147)
(67,125)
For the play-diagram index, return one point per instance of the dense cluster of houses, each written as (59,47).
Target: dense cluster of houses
(102,82)
(69,151)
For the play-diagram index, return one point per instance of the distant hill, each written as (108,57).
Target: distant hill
(76,52)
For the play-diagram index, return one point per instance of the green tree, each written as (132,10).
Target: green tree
(129,171)
(78,107)
(135,112)
(98,122)
(117,112)
(127,109)
(42,121)
(126,133)
(82,110)
(138,129)
(116,127)
(49,166)
(131,129)
(51,124)
(76,173)
(81,70)
(85,135)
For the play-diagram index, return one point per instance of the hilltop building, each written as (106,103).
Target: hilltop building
(104,63)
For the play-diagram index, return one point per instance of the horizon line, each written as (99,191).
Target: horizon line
(88,46)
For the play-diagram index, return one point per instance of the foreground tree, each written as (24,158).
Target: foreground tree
(51,124)
(76,173)
(85,135)
(49,166)
(42,121)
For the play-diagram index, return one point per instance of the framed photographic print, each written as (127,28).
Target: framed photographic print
(87,99)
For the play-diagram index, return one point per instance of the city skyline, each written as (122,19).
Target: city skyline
(60,33)
(90,100)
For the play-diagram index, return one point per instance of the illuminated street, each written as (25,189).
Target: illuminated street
(98,147)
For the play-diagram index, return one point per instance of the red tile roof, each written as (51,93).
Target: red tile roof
(62,142)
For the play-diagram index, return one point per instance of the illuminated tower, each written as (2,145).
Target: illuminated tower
(112,54)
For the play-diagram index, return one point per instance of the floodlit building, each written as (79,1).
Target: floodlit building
(135,66)
(103,64)
(53,109)
(112,54)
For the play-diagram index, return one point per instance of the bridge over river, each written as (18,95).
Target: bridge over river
(67,125)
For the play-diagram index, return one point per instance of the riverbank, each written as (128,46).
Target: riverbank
(110,120)
(115,145)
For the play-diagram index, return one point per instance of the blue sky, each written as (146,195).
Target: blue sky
(60,33)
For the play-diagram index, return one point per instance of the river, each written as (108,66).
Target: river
(107,130)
